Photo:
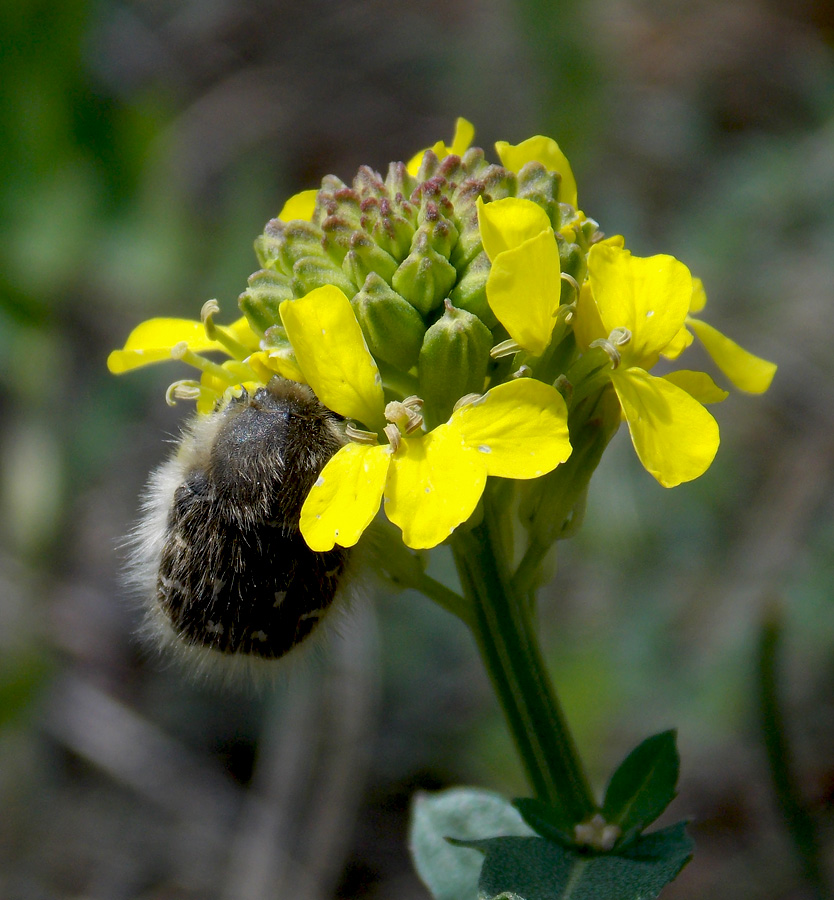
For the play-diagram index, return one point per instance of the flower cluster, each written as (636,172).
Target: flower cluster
(466,319)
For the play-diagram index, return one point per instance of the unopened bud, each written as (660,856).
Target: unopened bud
(267,289)
(365,257)
(470,291)
(392,327)
(316,271)
(453,362)
(424,278)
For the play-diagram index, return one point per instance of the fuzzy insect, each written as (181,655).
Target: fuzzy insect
(218,552)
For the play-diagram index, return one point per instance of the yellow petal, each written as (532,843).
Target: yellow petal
(675,438)
(152,341)
(520,428)
(746,371)
(346,496)
(698,385)
(649,296)
(434,484)
(299,206)
(587,325)
(332,354)
(506,223)
(524,290)
(678,344)
(546,151)
(699,296)
(464,132)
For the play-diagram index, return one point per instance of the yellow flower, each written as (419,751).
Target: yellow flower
(637,306)
(524,284)
(430,482)
(464,132)
(158,340)
(546,151)
(747,372)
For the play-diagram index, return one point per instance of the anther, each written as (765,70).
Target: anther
(505,348)
(609,348)
(184,390)
(217,333)
(619,337)
(394,436)
(523,372)
(571,281)
(359,436)
(465,400)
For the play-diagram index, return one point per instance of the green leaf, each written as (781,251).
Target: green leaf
(643,785)
(451,872)
(537,869)
(552,822)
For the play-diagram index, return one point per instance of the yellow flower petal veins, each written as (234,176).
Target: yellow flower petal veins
(747,372)
(434,485)
(546,151)
(676,439)
(331,352)
(524,290)
(520,428)
(506,223)
(345,497)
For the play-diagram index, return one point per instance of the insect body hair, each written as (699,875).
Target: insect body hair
(217,555)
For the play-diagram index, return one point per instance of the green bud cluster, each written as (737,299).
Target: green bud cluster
(406,250)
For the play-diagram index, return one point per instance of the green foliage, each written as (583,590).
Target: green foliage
(536,869)
(643,785)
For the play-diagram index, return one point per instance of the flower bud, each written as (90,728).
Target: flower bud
(424,278)
(542,187)
(453,362)
(365,257)
(316,271)
(260,301)
(392,327)
(282,244)
(470,291)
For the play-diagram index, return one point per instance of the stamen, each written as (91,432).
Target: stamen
(181,351)
(217,333)
(522,372)
(185,390)
(394,436)
(505,348)
(620,337)
(405,414)
(465,400)
(609,348)
(359,436)
(571,281)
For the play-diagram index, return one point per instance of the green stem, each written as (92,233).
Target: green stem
(450,600)
(505,636)
(798,820)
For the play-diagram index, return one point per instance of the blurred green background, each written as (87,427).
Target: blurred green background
(145,144)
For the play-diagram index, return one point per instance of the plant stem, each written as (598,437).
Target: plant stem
(798,820)
(507,642)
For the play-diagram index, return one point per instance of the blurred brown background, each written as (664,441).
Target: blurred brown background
(144,146)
